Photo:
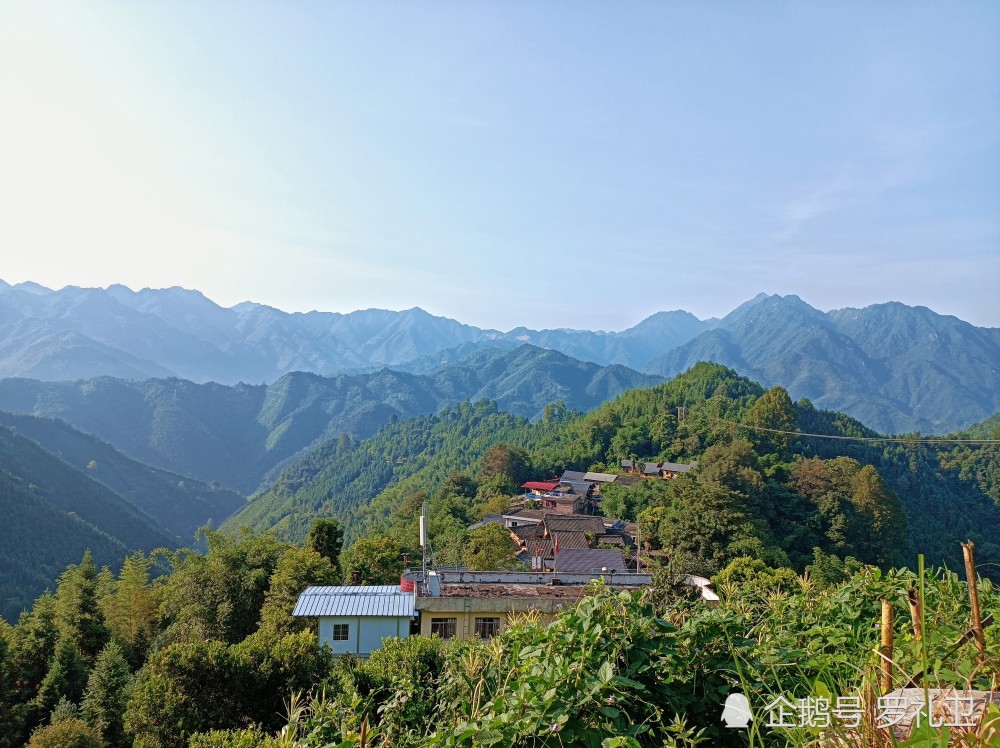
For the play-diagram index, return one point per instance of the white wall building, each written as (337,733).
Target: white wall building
(355,619)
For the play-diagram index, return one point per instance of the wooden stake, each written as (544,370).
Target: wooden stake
(968,550)
(914,600)
(887,617)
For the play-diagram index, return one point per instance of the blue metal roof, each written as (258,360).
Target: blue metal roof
(368,600)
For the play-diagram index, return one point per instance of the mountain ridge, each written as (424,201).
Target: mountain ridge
(897,368)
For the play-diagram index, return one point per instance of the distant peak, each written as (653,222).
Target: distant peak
(32,287)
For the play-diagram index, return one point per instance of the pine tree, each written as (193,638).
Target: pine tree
(78,615)
(132,608)
(66,678)
(106,697)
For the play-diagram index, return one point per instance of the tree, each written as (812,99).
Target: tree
(504,466)
(132,607)
(490,549)
(78,615)
(104,701)
(66,678)
(703,525)
(882,526)
(66,733)
(183,689)
(220,595)
(31,645)
(773,411)
(326,537)
(299,568)
(751,577)
(377,559)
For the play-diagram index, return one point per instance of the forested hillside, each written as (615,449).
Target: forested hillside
(780,496)
(178,503)
(236,435)
(51,513)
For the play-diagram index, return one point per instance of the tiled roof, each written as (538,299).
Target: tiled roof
(528,532)
(369,600)
(675,467)
(574,523)
(600,477)
(590,560)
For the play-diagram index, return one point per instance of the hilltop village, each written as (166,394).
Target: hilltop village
(562,545)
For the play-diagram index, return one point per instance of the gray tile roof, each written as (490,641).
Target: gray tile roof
(574,523)
(600,477)
(370,600)
(675,467)
(589,560)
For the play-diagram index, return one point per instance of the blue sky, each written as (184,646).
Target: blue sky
(552,164)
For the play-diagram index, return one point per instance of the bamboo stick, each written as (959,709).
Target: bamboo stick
(914,600)
(968,550)
(887,618)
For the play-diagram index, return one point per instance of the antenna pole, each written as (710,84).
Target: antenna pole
(424,513)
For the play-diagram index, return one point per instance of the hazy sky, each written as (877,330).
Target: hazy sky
(553,164)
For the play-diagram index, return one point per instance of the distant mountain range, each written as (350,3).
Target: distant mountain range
(81,333)
(237,434)
(896,368)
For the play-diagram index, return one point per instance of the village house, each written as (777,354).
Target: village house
(466,604)
(665,470)
(355,619)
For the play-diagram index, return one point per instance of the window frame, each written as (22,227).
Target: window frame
(486,627)
(341,628)
(445,627)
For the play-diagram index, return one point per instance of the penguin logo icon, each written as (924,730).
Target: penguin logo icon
(736,712)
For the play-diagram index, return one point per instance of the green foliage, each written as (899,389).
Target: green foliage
(745,576)
(66,677)
(219,595)
(373,560)
(326,537)
(131,607)
(828,570)
(489,549)
(78,617)
(505,467)
(66,733)
(298,568)
(248,737)
(107,693)
(181,690)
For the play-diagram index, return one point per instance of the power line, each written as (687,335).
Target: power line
(899,439)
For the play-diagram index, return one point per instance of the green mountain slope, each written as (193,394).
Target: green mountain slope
(236,435)
(376,483)
(52,512)
(178,503)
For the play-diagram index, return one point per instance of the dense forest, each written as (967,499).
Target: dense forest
(781,494)
(208,656)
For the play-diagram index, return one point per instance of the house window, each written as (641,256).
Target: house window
(341,632)
(443,627)
(487,628)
